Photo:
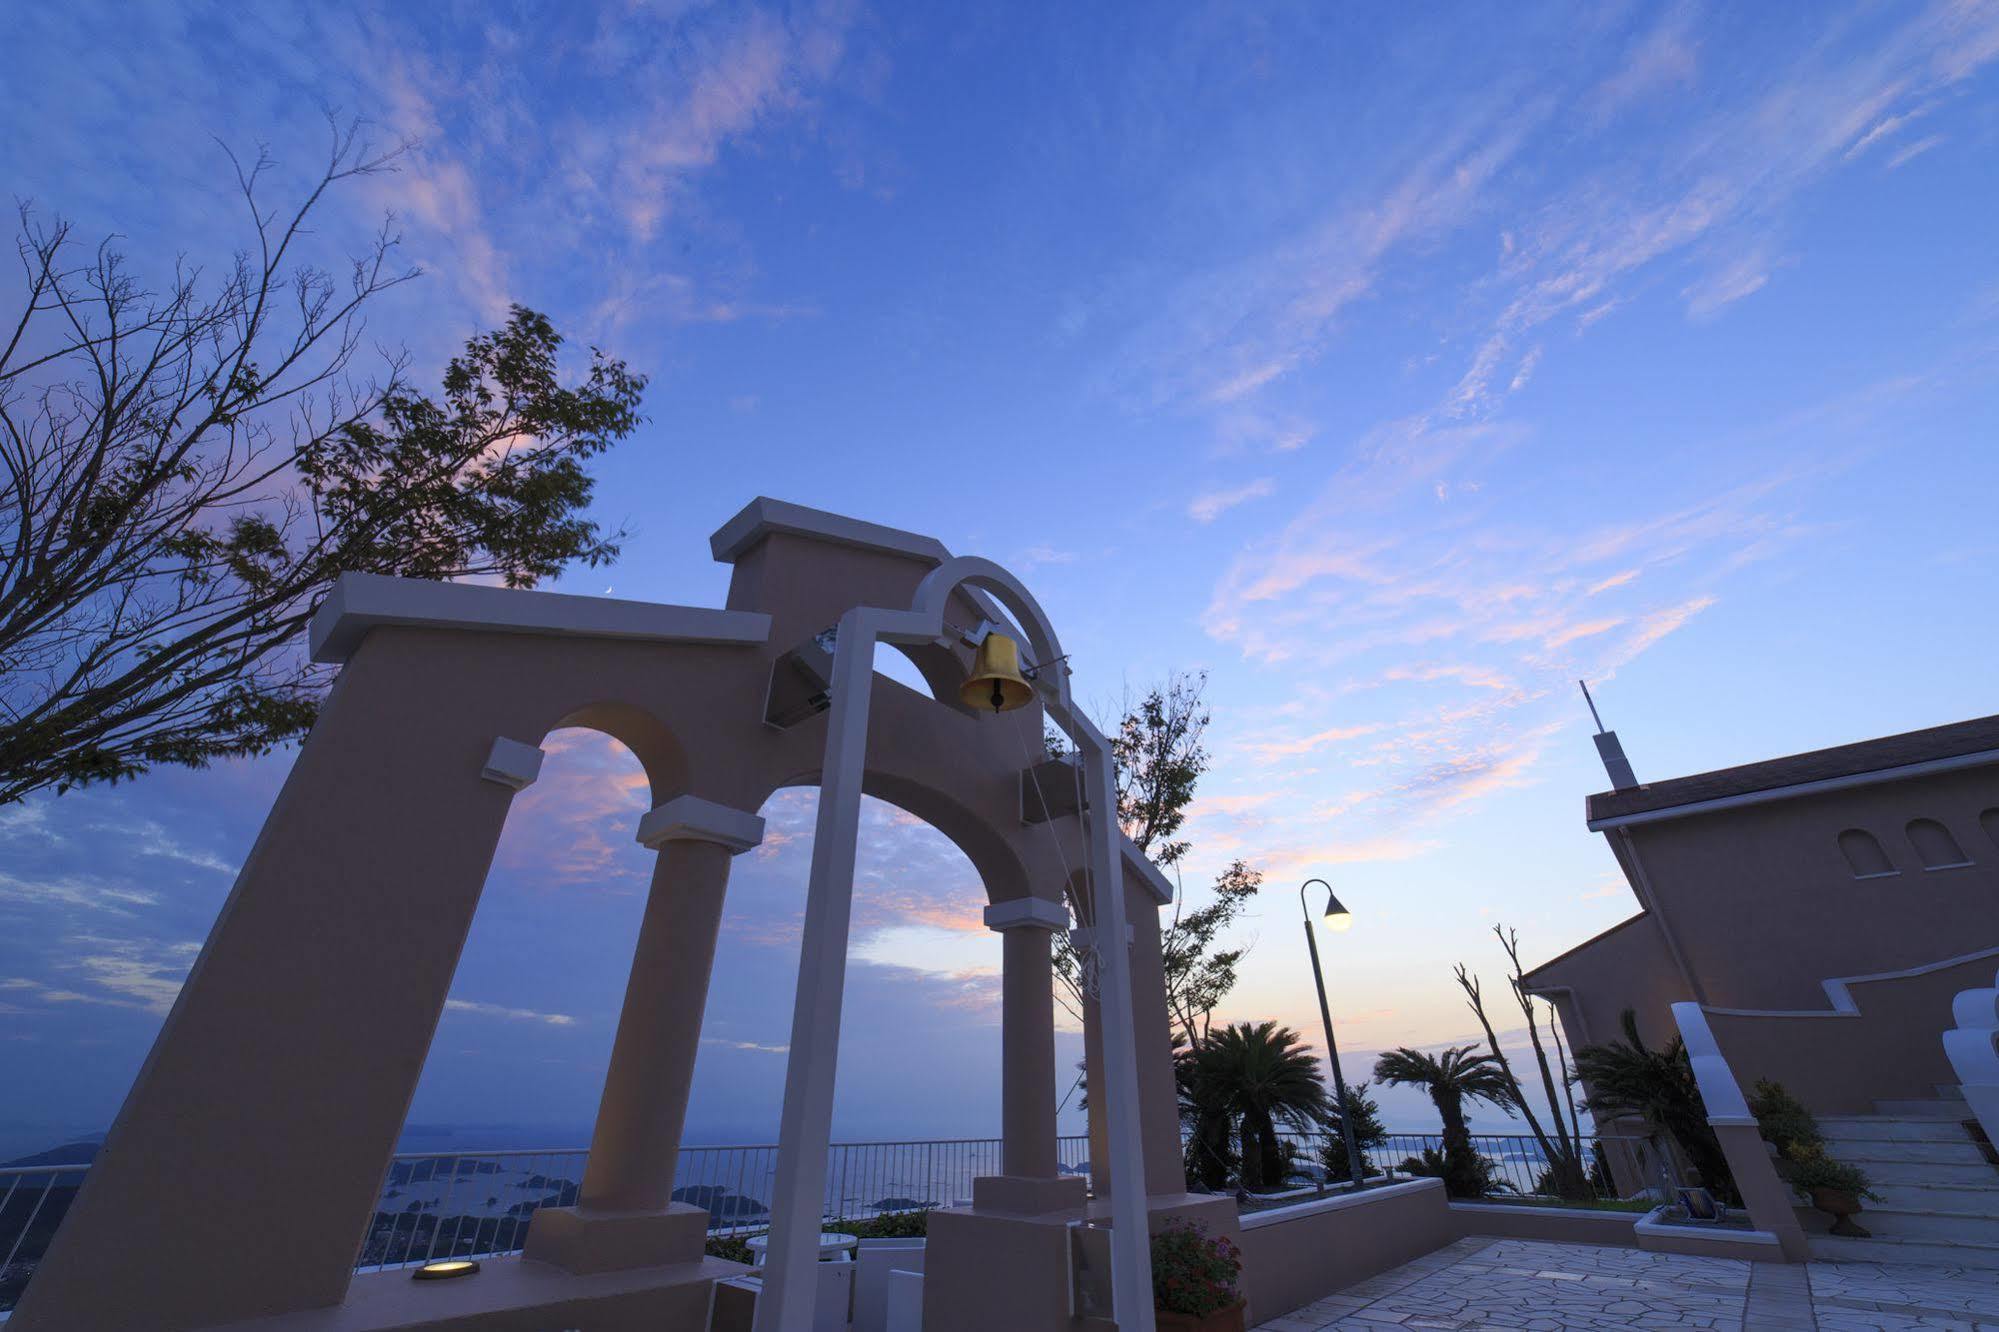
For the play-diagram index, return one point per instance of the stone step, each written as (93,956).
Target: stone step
(1922,1253)
(1962,1199)
(1923,1172)
(1888,1222)
(1937,1109)
(1962,1152)
(1875,1127)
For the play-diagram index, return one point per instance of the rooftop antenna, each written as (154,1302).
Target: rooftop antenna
(1608,748)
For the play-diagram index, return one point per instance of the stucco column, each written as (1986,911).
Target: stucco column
(1159,1098)
(1030,1182)
(1027,1066)
(625,1215)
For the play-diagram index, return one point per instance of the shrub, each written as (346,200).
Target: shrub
(1812,1169)
(889,1225)
(1783,1119)
(1193,1273)
(735,1248)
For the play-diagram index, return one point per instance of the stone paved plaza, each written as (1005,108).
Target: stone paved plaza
(1492,1283)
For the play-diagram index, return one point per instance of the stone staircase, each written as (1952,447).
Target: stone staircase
(1939,1194)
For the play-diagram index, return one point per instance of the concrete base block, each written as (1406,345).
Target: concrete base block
(988,1271)
(512,1295)
(584,1240)
(1018,1195)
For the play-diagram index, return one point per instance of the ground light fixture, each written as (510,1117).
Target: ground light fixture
(1335,917)
(445,1269)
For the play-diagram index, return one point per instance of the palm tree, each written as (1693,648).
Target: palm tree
(1452,1077)
(1626,1078)
(1249,1078)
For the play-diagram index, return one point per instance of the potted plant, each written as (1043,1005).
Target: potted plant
(1796,1140)
(1194,1279)
(1834,1187)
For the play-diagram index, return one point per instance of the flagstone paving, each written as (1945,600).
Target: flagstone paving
(1540,1287)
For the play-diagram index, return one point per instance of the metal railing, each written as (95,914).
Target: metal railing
(1513,1164)
(33,1202)
(478,1203)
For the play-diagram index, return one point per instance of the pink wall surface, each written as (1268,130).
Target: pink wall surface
(1839,1063)
(1295,1255)
(1765,907)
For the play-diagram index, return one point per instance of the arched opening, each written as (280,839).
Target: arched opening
(930,670)
(923,973)
(503,1111)
(1934,845)
(1864,855)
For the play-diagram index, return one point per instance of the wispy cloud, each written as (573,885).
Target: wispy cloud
(1910,152)
(1210,505)
(479,1009)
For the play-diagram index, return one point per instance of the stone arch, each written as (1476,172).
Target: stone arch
(650,740)
(992,853)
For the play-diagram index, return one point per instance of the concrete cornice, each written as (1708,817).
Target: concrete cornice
(1149,874)
(360,602)
(689,818)
(1025,913)
(762,516)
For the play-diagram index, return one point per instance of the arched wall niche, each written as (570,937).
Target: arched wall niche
(1865,855)
(1935,846)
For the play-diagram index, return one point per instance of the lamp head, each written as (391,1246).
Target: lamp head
(1335,916)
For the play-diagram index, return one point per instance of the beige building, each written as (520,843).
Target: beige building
(1813,919)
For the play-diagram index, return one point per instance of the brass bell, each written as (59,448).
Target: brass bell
(996,681)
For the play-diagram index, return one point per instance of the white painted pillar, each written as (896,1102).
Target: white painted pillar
(1131,1240)
(790,1276)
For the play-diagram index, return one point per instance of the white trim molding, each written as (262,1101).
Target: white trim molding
(512,764)
(1977,760)
(360,602)
(1840,995)
(1027,913)
(689,818)
(1720,1092)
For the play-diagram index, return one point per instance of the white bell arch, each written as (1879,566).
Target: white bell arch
(786,1302)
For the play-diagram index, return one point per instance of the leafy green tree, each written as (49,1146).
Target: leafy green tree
(1254,1077)
(1452,1078)
(1367,1131)
(1200,973)
(184,473)
(1160,755)
(1627,1078)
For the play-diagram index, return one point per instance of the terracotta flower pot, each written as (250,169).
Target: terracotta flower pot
(1841,1207)
(1221,1320)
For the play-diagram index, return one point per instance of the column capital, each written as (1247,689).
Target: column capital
(1026,913)
(512,764)
(689,818)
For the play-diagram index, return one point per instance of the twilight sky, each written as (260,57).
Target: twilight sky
(1397,368)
